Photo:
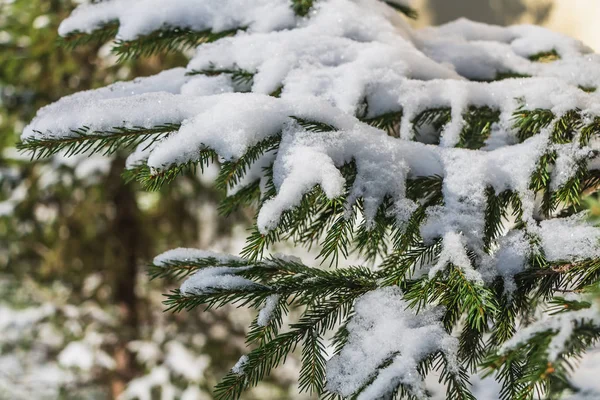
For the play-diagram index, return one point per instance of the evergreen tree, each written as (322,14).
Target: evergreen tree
(452,162)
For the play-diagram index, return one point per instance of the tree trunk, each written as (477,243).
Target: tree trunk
(123,258)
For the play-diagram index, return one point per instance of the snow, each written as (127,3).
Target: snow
(561,325)
(350,60)
(238,368)
(569,239)
(266,313)
(76,355)
(208,279)
(182,255)
(185,363)
(454,252)
(384,330)
(510,258)
(141,388)
(141,17)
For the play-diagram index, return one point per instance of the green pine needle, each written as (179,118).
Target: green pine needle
(85,141)
(408,11)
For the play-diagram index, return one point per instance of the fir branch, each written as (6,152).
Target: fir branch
(382,365)
(545,56)
(314,126)
(509,305)
(102,34)
(321,213)
(496,214)
(389,122)
(257,243)
(262,334)
(338,239)
(85,140)
(248,195)
(472,348)
(589,131)
(579,275)
(501,75)
(478,126)
(153,179)
(397,268)
(459,295)
(456,381)
(508,373)
(251,296)
(530,122)
(315,321)
(406,10)
(240,77)
(166,40)
(340,338)
(588,89)
(277,92)
(591,181)
(259,364)
(326,211)
(477,302)
(427,190)
(540,181)
(176,269)
(296,222)
(570,193)
(538,371)
(233,171)
(312,371)
(434,117)
(559,305)
(302,7)
(567,126)
(371,239)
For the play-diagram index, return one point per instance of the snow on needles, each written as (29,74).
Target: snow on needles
(341,66)
(384,332)
(208,280)
(141,17)
(183,255)
(344,63)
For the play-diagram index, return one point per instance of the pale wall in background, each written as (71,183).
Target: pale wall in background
(577,18)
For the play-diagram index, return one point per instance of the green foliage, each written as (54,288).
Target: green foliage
(545,56)
(239,77)
(531,122)
(302,7)
(408,11)
(478,126)
(84,140)
(101,35)
(389,122)
(232,171)
(483,315)
(326,295)
(166,39)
